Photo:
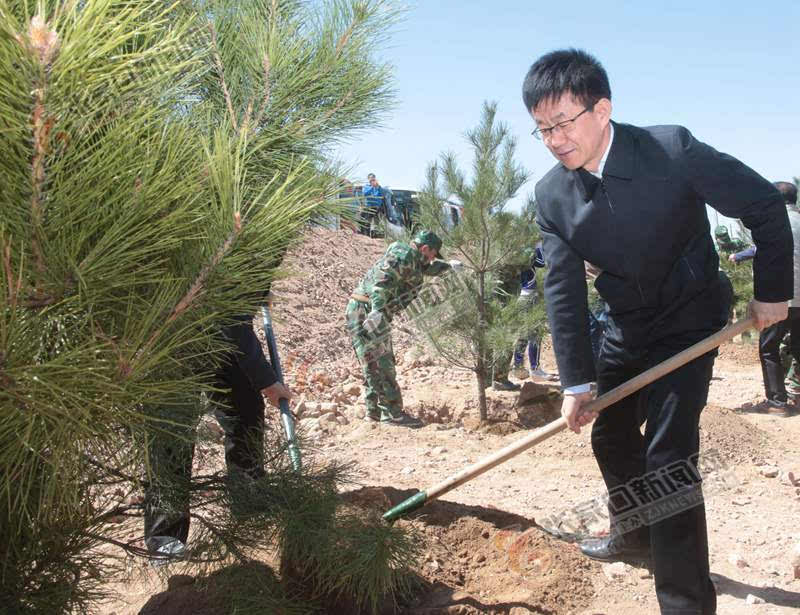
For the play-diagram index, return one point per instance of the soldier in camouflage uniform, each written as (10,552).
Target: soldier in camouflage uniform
(725,244)
(389,286)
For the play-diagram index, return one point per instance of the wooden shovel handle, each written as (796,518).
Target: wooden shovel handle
(614,395)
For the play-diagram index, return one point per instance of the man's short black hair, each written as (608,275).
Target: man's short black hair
(789,192)
(565,71)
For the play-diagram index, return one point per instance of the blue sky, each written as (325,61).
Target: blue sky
(729,71)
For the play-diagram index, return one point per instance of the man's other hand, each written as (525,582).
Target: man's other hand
(572,410)
(732,258)
(766,314)
(275,392)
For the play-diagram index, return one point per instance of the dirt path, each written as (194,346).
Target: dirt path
(486,551)
(751,516)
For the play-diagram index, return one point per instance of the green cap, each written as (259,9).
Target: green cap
(721,231)
(428,238)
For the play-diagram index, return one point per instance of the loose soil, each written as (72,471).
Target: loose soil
(489,545)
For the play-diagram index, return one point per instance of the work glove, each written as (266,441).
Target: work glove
(373,321)
(457,265)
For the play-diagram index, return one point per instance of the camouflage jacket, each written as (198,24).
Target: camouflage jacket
(395,280)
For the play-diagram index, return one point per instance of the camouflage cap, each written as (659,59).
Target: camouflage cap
(428,238)
(721,231)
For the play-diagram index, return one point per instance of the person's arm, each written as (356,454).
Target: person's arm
(438,267)
(745,255)
(565,296)
(249,355)
(736,191)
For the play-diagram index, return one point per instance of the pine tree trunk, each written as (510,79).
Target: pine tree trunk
(480,374)
(481,362)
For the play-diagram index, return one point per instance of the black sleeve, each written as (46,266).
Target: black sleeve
(565,296)
(736,191)
(248,353)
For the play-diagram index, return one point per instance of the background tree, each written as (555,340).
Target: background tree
(157,160)
(478,318)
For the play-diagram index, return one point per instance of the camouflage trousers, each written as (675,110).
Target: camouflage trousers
(374,352)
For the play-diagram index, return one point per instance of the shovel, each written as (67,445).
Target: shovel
(543,433)
(286,415)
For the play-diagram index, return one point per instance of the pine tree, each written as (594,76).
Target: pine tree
(477,319)
(157,160)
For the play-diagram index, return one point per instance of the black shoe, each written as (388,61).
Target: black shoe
(504,384)
(402,419)
(615,548)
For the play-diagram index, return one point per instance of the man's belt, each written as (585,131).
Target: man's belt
(361,298)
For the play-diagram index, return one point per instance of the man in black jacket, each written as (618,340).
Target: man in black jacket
(243,379)
(632,201)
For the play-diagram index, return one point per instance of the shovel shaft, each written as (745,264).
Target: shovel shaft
(287,420)
(543,433)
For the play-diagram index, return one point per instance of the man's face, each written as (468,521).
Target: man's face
(577,144)
(428,252)
(373,181)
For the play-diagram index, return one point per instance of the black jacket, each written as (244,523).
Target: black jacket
(246,355)
(645,226)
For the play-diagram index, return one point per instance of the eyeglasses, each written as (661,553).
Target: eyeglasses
(543,134)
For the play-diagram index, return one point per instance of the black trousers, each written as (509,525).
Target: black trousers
(629,459)
(240,412)
(769,342)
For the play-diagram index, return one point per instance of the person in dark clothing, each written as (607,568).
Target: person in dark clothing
(242,380)
(769,342)
(632,201)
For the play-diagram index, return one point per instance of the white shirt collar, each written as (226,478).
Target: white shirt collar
(602,164)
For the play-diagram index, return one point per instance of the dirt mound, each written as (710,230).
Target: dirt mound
(728,433)
(743,354)
(483,560)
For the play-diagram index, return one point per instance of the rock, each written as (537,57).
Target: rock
(353,390)
(751,599)
(617,570)
(312,410)
(309,425)
(327,418)
(769,471)
(407,470)
(328,407)
(741,501)
(480,557)
(439,450)
(342,419)
(300,407)
(737,560)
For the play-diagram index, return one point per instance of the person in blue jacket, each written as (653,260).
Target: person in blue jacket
(374,201)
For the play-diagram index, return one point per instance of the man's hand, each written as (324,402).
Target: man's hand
(372,322)
(275,392)
(732,258)
(766,314)
(571,409)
